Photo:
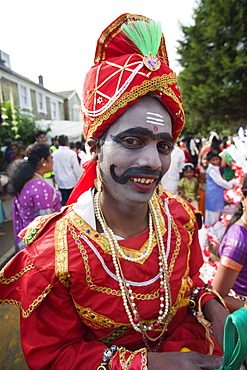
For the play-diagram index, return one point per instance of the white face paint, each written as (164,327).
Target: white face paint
(133,145)
(155,119)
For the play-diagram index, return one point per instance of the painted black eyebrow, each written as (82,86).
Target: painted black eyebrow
(143,132)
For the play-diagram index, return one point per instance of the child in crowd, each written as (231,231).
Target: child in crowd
(188,185)
(201,176)
(215,185)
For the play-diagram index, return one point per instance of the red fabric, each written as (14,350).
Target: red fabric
(61,332)
(85,182)
(115,59)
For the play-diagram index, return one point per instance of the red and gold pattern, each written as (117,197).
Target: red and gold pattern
(121,75)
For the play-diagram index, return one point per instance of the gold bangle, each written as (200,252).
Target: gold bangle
(245,305)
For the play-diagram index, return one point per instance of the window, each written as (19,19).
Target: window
(25,97)
(41,104)
(54,110)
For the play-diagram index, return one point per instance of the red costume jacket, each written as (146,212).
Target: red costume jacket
(71,306)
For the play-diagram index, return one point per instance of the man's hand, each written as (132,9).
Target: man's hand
(217,314)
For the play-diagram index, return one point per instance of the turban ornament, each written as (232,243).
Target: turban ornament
(130,62)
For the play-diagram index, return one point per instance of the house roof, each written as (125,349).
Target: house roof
(8,70)
(67,94)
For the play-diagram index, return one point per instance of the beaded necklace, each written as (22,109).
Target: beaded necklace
(127,293)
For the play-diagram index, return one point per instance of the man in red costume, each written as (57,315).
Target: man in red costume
(112,282)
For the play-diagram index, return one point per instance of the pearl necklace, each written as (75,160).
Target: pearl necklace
(127,293)
(38,175)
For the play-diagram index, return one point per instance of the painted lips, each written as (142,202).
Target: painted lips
(142,180)
(143,184)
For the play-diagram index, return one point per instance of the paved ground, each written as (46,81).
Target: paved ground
(11,356)
(6,243)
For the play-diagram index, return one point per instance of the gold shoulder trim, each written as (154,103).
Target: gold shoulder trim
(31,232)
(61,251)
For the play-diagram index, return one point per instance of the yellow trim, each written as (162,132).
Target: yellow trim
(32,306)
(15,277)
(98,321)
(61,251)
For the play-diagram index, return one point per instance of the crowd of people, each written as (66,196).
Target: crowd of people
(200,175)
(41,179)
(112,280)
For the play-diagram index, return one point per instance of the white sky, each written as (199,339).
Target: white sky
(57,38)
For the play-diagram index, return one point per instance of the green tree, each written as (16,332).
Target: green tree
(25,127)
(213,54)
(16,126)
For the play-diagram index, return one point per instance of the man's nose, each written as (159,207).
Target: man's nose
(150,157)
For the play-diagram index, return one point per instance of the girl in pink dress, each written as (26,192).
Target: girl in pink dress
(33,196)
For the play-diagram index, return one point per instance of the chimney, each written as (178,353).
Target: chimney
(41,80)
(4,59)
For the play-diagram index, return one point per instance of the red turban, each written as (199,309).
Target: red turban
(120,76)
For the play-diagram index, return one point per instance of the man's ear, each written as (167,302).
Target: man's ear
(94,148)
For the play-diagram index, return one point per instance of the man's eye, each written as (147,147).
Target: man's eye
(131,141)
(165,148)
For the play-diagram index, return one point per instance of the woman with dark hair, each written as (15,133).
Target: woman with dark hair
(231,277)
(33,196)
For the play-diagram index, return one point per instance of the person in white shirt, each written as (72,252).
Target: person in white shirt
(215,186)
(66,168)
(170,180)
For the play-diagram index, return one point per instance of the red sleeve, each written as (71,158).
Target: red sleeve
(53,336)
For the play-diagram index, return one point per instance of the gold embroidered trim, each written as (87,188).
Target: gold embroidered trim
(33,305)
(15,277)
(37,225)
(94,320)
(61,251)
(98,321)
(146,86)
(102,241)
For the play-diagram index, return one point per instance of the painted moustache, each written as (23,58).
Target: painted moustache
(134,172)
